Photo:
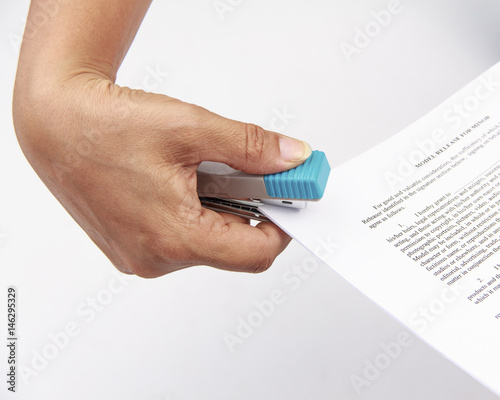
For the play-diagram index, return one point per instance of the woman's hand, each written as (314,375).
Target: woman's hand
(123,162)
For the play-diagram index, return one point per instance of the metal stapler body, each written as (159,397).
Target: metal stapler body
(222,188)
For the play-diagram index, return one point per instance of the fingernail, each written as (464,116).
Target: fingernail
(294,150)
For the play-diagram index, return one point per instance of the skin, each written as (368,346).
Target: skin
(123,162)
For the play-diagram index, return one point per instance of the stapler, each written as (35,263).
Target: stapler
(224,189)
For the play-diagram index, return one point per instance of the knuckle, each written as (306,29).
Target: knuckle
(262,265)
(140,269)
(255,143)
(123,269)
(154,258)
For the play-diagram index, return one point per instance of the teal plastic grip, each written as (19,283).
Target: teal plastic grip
(305,182)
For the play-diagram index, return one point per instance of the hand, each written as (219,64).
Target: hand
(123,163)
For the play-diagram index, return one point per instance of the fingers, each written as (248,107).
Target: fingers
(243,146)
(250,148)
(175,137)
(236,246)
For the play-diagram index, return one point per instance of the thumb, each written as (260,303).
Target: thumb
(250,148)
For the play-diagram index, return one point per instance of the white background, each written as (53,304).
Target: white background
(163,339)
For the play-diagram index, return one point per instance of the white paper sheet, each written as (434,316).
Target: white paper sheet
(414,223)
